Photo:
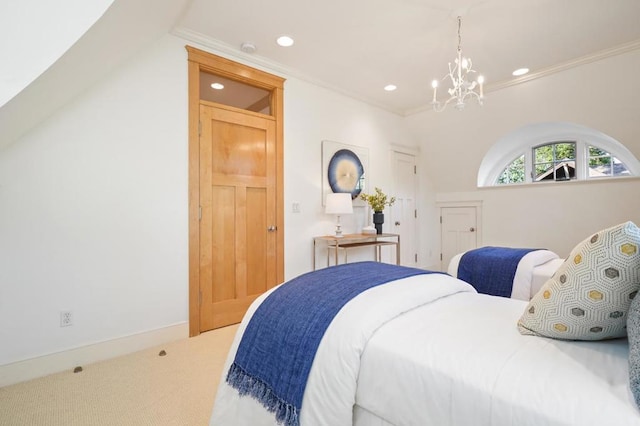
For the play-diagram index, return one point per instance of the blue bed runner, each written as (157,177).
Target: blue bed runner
(490,270)
(280,342)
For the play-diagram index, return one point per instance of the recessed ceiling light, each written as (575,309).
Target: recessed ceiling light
(390,87)
(520,71)
(285,41)
(217,86)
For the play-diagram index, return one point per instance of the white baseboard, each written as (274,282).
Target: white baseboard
(53,363)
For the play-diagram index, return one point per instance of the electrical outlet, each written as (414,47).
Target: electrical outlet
(66,318)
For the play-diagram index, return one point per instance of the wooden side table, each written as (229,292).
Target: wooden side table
(356,240)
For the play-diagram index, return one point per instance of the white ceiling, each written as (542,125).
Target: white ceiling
(359,46)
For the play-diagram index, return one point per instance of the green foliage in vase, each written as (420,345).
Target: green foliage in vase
(378,200)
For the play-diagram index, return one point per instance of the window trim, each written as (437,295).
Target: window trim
(522,140)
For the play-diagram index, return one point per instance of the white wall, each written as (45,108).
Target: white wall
(93,203)
(313,114)
(94,213)
(600,95)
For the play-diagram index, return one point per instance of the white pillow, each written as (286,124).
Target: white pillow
(588,297)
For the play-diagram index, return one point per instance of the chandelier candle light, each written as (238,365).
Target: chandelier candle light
(462,89)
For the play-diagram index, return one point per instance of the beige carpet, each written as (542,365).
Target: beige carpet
(138,389)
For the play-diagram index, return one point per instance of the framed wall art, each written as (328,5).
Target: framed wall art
(344,169)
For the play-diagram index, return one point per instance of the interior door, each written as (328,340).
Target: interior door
(458,232)
(238,221)
(403,211)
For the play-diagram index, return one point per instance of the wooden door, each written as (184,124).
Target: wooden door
(458,232)
(238,202)
(236,191)
(403,211)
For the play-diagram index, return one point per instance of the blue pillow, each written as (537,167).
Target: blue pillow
(633,331)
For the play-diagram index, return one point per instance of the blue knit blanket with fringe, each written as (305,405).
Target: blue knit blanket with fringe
(280,342)
(491,270)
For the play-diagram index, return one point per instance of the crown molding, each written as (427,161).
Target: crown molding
(265,64)
(271,66)
(563,66)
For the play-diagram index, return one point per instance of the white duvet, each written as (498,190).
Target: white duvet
(331,388)
(462,361)
(429,350)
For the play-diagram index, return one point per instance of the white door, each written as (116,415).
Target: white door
(458,232)
(403,211)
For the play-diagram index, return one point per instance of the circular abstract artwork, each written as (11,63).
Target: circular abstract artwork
(346,173)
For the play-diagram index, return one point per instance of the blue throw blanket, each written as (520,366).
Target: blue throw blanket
(490,270)
(280,342)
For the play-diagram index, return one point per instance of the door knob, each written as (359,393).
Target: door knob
(272,228)
(472,229)
(397,223)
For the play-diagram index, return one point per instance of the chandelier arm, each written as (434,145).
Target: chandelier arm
(461,88)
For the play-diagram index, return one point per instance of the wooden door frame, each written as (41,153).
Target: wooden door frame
(200,60)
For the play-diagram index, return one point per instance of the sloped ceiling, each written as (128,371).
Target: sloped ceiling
(126,27)
(355,47)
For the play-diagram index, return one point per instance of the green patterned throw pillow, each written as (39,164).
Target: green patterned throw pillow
(588,297)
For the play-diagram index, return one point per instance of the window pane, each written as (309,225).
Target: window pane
(595,151)
(599,169)
(602,164)
(565,170)
(513,173)
(565,151)
(619,169)
(599,161)
(544,171)
(234,93)
(543,154)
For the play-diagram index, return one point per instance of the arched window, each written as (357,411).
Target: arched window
(556,152)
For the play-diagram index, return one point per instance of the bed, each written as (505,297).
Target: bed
(428,349)
(533,269)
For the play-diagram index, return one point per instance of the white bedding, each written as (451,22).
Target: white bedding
(331,388)
(441,354)
(534,269)
(462,362)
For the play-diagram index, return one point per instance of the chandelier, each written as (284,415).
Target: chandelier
(462,88)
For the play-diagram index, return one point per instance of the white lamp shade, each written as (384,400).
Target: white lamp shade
(339,203)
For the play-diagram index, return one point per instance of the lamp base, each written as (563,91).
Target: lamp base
(338,230)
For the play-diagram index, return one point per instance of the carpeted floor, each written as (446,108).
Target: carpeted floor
(143,388)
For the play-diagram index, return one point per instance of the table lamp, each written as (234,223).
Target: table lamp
(339,203)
